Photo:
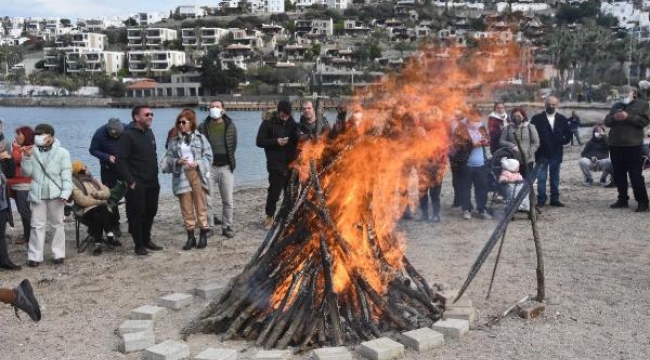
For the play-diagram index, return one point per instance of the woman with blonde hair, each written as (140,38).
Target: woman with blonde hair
(188,159)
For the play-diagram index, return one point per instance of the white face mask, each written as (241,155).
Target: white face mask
(627,100)
(215,113)
(39,140)
(597,135)
(357,116)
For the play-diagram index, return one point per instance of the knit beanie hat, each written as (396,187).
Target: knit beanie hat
(114,127)
(44,129)
(511,165)
(77,166)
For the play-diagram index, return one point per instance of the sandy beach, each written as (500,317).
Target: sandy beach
(597,282)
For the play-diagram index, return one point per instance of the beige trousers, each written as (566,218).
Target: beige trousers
(194,203)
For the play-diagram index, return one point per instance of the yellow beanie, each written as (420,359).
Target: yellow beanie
(77,166)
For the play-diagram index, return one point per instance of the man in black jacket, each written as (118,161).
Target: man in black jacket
(138,167)
(554,133)
(279,139)
(627,120)
(310,126)
(222,135)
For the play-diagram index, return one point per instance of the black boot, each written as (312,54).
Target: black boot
(203,239)
(191,240)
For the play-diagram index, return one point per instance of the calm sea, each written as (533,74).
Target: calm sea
(74,127)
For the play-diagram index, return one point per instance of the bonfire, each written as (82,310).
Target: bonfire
(332,270)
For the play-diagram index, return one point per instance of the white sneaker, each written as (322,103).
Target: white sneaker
(485,215)
(467,215)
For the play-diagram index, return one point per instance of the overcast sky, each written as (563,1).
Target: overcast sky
(74,9)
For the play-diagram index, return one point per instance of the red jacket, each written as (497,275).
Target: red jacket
(17,155)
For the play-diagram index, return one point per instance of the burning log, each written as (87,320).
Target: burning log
(315,279)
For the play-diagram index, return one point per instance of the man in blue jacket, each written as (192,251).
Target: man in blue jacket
(554,133)
(103,146)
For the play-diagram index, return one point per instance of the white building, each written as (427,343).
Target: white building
(17,22)
(276,6)
(109,62)
(69,47)
(523,7)
(627,15)
(314,26)
(337,4)
(191,11)
(199,38)
(144,18)
(156,61)
(308,3)
(33,27)
(149,38)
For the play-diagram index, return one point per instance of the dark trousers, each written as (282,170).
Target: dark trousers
(109,178)
(4,251)
(98,220)
(141,208)
(576,135)
(549,168)
(627,160)
(455,183)
(278,182)
(21,197)
(478,177)
(434,194)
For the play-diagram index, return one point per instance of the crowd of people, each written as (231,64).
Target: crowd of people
(38,174)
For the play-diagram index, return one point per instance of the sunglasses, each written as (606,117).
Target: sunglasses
(182,122)
(148,114)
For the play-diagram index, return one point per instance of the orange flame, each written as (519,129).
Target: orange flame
(405,124)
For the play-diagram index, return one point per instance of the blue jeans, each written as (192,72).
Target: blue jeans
(552,167)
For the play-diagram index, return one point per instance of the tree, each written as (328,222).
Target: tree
(65,22)
(214,79)
(130,22)
(289,6)
(112,88)
(403,46)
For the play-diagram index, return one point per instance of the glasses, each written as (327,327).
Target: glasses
(148,115)
(182,122)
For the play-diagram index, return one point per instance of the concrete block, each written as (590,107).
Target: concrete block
(167,350)
(332,353)
(131,326)
(422,339)
(217,354)
(272,355)
(531,310)
(209,291)
(447,296)
(137,341)
(176,301)
(148,312)
(463,313)
(381,349)
(451,328)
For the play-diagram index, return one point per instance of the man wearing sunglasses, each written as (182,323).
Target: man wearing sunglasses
(138,166)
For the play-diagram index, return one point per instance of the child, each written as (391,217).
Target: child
(513,181)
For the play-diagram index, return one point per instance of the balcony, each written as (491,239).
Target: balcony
(135,43)
(154,43)
(134,34)
(154,34)
(159,58)
(208,33)
(91,58)
(189,42)
(136,57)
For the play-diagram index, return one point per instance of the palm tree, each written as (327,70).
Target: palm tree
(148,62)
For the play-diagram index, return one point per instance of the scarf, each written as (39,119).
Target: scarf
(503,117)
(84,178)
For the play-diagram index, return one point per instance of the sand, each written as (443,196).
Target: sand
(597,282)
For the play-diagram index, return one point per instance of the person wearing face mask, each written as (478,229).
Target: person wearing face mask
(138,168)
(20,183)
(626,121)
(497,120)
(48,164)
(595,157)
(221,133)
(521,129)
(104,146)
(188,159)
(279,139)
(553,130)
(91,198)
(471,144)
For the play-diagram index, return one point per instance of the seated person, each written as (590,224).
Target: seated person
(91,197)
(595,157)
(512,182)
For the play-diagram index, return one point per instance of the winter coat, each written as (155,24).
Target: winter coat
(103,145)
(138,162)
(462,145)
(86,195)
(574,123)
(528,138)
(17,156)
(628,132)
(202,152)
(278,157)
(597,148)
(59,168)
(551,140)
(315,129)
(230,138)
(495,126)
